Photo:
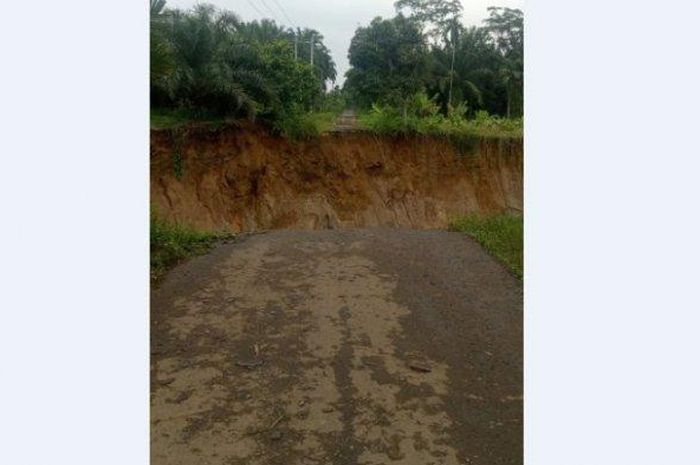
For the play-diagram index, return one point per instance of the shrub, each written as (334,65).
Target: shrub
(421,106)
(334,101)
(423,118)
(173,242)
(299,125)
(383,120)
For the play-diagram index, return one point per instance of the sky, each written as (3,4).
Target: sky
(335,19)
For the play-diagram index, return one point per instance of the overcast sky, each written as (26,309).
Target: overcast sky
(335,19)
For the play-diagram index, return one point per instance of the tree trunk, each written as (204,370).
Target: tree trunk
(509,95)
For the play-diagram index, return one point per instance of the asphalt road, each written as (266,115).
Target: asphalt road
(338,347)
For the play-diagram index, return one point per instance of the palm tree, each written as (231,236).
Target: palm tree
(512,77)
(456,74)
(324,66)
(161,54)
(506,28)
(214,71)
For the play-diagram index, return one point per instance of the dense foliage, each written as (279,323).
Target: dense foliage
(171,243)
(208,63)
(460,69)
(421,115)
(421,70)
(389,60)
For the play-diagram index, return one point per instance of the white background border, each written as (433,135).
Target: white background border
(612,312)
(611,233)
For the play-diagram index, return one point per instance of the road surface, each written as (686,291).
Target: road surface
(338,347)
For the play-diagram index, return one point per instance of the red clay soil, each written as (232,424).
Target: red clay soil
(245,179)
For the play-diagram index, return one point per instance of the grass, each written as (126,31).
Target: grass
(501,235)
(172,243)
(295,125)
(308,125)
(169,119)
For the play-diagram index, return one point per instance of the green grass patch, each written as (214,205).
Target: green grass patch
(501,235)
(172,243)
(305,125)
(170,119)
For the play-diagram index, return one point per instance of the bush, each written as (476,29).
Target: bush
(423,117)
(382,119)
(171,243)
(299,125)
(422,107)
(208,64)
(333,101)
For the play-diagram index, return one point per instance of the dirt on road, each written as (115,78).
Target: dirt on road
(338,347)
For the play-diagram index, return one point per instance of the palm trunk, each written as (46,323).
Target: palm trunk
(452,67)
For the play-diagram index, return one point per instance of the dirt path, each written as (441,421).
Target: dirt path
(338,347)
(346,122)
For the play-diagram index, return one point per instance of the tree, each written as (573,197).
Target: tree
(506,26)
(389,60)
(218,65)
(294,82)
(266,31)
(438,16)
(507,32)
(213,73)
(476,67)
(161,54)
(442,18)
(324,65)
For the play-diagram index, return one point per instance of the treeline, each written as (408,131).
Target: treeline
(208,63)
(425,60)
(420,71)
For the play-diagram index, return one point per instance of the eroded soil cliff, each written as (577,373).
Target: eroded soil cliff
(245,179)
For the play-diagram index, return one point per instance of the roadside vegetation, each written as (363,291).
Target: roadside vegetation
(421,71)
(423,116)
(171,243)
(501,235)
(209,65)
(424,72)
